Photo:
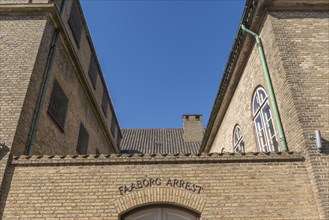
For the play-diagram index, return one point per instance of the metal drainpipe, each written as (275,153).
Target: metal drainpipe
(50,61)
(270,87)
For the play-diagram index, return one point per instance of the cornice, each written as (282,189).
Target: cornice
(119,159)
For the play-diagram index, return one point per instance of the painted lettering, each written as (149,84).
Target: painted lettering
(151,182)
(139,184)
(158,181)
(169,183)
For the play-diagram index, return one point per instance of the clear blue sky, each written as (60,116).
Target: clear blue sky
(162,59)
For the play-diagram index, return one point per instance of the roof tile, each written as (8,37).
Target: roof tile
(157,140)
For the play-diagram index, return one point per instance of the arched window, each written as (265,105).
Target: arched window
(160,212)
(263,121)
(238,143)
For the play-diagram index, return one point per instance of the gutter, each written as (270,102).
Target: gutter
(272,98)
(50,61)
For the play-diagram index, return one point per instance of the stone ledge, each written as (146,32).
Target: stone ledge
(254,157)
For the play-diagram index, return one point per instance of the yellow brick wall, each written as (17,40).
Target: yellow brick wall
(19,48)
(297,54)
(252,186)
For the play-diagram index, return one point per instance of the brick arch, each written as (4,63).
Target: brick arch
(160,195)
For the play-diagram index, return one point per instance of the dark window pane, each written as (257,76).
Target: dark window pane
(83,139)
(104,102)
(113,127)
(93,71)
(75,24)
(58,104)
(256,105)
(261,95)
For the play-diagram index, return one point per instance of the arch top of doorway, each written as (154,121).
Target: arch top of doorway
(160,195)
(162,206)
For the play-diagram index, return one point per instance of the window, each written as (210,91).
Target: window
(160,212)
(104,102)
(262,117)
(83,139)
(118,138)
(58,104)
(75,24)
(93,71)
(113,127)
(238,143)
(197,117)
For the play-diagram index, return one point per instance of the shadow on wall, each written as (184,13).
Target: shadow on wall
(3,150)
(7,177)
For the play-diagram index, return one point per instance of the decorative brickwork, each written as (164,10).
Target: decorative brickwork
(159,195)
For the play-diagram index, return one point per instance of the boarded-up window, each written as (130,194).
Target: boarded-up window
(75,24)
(58,104)
(83,139)
(93,71)
(104,102)
(118,138)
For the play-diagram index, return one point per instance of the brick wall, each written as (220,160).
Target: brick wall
(240,108)
(27,48)
(303,41)
(296,45)
(84,51)
(50,138)
(297,54)
(19,48)
(262,186)
(27,115)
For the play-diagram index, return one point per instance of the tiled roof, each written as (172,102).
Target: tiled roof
(157,140)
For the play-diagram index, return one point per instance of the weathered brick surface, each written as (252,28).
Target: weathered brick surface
(303,41)
(25,1)
(19,47)
(297,54)
(296,45)
(4,155)
(240,108)
(20,96)
(259,187)
(193,130)
(84,51)
(27,115)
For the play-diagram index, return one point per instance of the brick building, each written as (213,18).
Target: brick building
(61,155)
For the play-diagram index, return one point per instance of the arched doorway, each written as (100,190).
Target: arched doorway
(160,212)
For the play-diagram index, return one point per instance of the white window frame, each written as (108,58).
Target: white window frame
(238,144)
(267,137)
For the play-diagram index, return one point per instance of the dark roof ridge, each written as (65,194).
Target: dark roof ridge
(147,128)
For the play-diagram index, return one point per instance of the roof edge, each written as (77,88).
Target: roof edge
(119,159)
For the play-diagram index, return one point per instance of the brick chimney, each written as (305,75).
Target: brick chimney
(192,126)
